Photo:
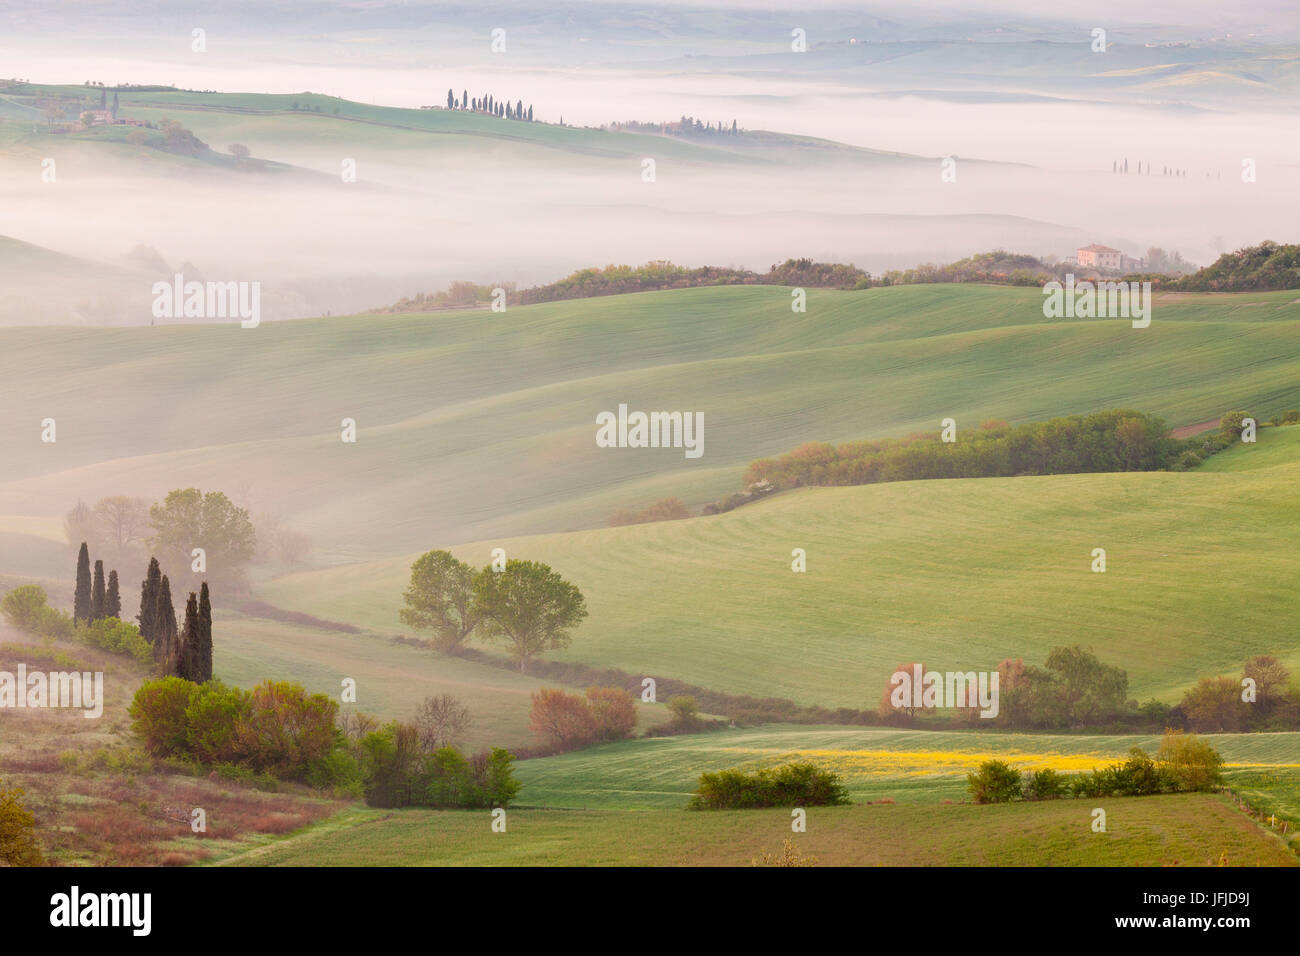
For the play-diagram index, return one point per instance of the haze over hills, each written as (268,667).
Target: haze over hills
(316,307)
(840,159)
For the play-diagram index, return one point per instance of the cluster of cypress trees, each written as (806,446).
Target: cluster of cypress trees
(187,653)
(94,600)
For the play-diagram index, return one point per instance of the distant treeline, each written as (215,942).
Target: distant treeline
(686,126)
(1257,268)
(622,279)
(617,280)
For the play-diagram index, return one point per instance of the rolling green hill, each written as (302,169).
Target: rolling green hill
(276,122)
(476,424)
(1174,830)
(960,574)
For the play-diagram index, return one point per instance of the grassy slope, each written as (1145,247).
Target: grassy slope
(475,425)
(961,574)
(392,679)
(1185,829)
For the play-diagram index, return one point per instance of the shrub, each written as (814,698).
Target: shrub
(493,778)
(337,771)
(563,719)
(1189,762)
(1140,776)
(683,708)
(277,729)
(613,712)
(1045,784)
(18,843)
(1230,424)
(285,729)
(212,720)
(56,624)
(789,856)
(395,772)
(116,636)
(994,782)
(158,715)
(792,785)
(24,606)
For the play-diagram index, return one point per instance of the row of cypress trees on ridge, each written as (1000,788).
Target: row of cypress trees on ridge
(185,652)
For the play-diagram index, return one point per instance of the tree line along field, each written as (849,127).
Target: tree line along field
(958,574)
(498,412)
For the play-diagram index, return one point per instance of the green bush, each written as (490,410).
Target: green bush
(994,782)
(24,607)
(1045,784)
(277,728)
(158,715)
(1230,424)
(18,843)
(338,772)
(212,720)
(792,785)
(1189,762)
(396,772)
(56,624)
(116,636)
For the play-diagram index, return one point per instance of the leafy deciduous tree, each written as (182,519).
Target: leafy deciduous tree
(529,606)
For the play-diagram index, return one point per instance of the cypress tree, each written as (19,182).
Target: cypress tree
(205,635)
(187,664)
(148,617)
(112,599)
(97,593)
(166,645)
(81,597)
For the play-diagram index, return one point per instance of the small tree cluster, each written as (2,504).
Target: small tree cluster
(187,651)
(398,770)
(1262,699)
(525,604)
(94,597)
(792,785)
(570,721)
(276,728)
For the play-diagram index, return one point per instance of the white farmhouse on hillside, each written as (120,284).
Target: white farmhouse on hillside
(1104,257)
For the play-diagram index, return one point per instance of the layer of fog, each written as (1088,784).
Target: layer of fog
(420,216)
